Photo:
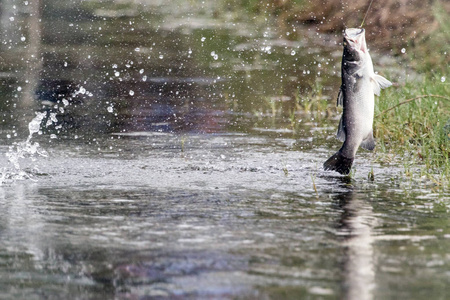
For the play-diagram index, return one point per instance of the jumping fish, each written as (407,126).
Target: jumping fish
(356,96)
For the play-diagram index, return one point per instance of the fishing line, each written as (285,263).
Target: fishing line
(362,23)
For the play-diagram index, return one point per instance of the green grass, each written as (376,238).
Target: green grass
(413,129)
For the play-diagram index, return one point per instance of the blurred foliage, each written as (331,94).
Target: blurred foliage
(391,25)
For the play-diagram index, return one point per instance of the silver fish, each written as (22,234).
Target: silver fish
(356,95)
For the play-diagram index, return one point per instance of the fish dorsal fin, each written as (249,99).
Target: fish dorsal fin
(379,82)
(340,98)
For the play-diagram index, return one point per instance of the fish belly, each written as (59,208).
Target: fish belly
(358,117)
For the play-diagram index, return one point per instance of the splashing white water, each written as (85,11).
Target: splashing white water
(30,151)
(24,150)
(35,125)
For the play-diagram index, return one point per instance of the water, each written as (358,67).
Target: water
(186,176)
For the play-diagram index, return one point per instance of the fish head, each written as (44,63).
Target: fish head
(355,47)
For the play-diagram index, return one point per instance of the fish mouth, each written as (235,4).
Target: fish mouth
(354,38)
(353,33)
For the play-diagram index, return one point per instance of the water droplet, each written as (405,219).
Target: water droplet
(110,109)
(161,56)
(35,124)
(19,88)
(23,39)
(293,52)
(131,92)
(443,79)
(203,39)
(141,71)
(117,73)
(403,50)
(144,78)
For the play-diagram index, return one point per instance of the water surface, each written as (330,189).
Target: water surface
(169,160)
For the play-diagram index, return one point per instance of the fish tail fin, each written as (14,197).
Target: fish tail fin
(338,163)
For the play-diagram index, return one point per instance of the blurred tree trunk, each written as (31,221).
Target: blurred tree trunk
(34,55)
(20,43)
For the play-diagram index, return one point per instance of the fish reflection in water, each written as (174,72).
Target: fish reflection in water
(356,232)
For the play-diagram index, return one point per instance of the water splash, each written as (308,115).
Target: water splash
(25,150)
(28,150)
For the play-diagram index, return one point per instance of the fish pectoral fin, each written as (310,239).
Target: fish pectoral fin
(379,82)
(369,142)
(341,134)
(340,98)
